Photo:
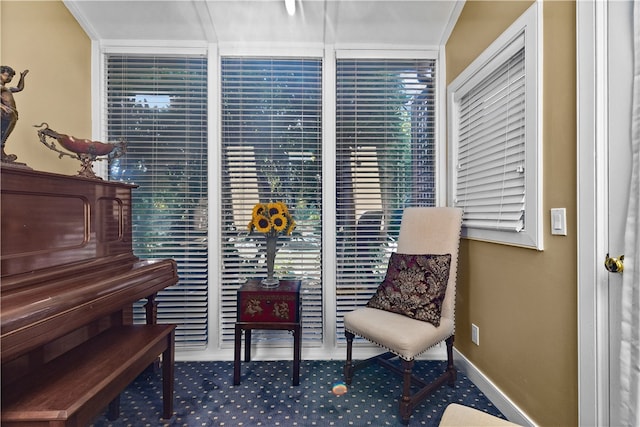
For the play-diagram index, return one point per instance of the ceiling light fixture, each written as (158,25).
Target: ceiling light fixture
(290,5)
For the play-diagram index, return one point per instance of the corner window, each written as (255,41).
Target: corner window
(385,162)
(494,139)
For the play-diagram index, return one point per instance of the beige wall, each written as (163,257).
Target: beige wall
(43,37)
(525,301)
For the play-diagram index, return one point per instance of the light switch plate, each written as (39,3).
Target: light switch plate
(559,221)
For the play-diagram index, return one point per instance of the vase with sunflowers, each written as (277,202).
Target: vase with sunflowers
(271,219)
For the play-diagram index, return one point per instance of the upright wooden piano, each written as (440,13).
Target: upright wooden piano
(68,282)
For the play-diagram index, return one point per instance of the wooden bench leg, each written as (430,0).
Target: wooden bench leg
(168,371)
(113,413)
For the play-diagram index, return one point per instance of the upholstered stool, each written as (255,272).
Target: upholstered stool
(462,416)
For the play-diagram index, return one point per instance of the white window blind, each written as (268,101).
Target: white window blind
(271,151)
(494,138)
(490,184)
(385,161)
(159,105)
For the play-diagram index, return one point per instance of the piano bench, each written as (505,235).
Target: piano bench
(74,388)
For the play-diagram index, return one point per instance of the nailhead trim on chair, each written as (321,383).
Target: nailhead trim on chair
(396,353)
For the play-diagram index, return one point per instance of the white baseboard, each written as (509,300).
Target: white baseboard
(508,408)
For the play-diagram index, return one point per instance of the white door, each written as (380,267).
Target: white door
(605,55)
(620,70)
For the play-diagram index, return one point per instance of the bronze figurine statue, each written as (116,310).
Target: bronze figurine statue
(9,111)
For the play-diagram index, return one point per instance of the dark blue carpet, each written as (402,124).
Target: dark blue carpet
(205,396)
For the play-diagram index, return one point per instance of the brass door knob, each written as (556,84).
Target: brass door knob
(614,265)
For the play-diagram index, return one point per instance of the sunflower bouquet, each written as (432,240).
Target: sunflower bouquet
(271,219)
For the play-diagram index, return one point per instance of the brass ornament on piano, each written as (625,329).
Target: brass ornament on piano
(85,150)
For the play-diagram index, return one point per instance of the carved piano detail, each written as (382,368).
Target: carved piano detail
(68,279)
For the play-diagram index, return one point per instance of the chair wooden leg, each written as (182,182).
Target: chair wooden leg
(348,364)
(406,404)
(451,370)
(408,401)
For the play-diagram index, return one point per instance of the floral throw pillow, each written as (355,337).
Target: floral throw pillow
(414,286)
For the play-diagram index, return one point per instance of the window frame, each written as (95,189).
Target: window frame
(328,53)
(528,25)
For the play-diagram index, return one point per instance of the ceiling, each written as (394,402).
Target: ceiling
(423,23)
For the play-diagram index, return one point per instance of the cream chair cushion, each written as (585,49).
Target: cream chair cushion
(402,335)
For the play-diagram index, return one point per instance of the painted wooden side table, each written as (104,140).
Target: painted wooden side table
(275,308)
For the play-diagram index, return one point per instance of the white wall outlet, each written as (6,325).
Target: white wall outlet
(475,334)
